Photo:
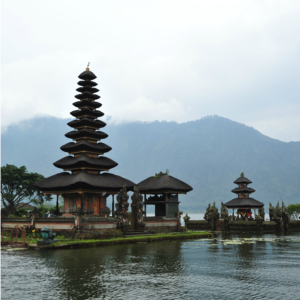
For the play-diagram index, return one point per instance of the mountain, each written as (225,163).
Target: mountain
(209,154)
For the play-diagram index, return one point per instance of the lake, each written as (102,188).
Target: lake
(230,266)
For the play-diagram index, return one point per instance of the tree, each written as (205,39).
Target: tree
(294,211)
(17,186)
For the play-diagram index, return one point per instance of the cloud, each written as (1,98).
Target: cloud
(171,60)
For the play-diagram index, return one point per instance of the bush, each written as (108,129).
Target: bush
(294,211)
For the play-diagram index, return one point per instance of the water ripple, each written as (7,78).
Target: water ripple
(230,267)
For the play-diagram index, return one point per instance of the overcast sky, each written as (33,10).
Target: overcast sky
(156,60)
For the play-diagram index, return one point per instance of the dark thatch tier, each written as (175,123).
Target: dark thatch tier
(163,184)
(87,103)
(85,146)
(85,133)
(65,181)
(84,161)
(242,180)
(87,83)
(87,96)
(87,75)
(86,112)
(244,190)
(87,122)
(243,203)
(87,89)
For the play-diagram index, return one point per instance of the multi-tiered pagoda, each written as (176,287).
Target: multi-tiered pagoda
(86,183)
(243,202)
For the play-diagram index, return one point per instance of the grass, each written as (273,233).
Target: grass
(69,243)
(125,240)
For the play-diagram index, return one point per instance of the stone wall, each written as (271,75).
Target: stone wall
(198,225)
(92,224)
(294,225)
(161,224)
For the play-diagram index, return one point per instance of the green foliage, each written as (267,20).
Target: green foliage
(294,211)
(17,185)
(160,174)
(43,208)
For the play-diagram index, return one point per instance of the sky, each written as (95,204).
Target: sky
(155,60)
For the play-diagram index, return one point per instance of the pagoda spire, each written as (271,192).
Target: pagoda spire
(243,192)
(87,178)
(88,155)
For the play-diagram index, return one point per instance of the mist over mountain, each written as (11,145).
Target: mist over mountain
(209,154)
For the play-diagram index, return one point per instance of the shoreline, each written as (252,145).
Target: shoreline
(121,240)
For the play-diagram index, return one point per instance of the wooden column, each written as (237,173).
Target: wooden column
(113,204)
(57,204)
(81,201)
(145,205)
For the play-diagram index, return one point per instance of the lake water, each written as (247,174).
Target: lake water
(230,266)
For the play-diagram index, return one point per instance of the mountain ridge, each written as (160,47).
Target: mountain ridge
(209,154)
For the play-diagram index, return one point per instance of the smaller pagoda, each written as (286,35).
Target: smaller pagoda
(164,190)
(243,203)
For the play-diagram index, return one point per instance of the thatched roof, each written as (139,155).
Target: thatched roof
(87,122)
(242,180)
(87,75)
(83,180)
(87,103)
(243,203)
(85,146)
(87,112)
(243,190)
(87,83)
(84,161)
(86,133)
(163,184)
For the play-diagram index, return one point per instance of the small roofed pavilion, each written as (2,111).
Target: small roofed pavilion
(86,182)
(163,190)
(243,203)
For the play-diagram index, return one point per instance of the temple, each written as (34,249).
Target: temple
(164,190)
(85,182)
(243,203)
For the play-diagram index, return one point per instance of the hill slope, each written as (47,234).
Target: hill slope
(209,154)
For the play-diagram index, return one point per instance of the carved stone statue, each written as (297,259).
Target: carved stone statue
(186,220)
(179,214)
(271,212)
(121,211)
(285,216)
(212,215)
(261,214)
(277,212)
(137,208)
(224,212)
(207,215)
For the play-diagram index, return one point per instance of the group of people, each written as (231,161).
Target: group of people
(244,212)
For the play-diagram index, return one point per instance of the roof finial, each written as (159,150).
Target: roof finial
(87,68)
(242,174)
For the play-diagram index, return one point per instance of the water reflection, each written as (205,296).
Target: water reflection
(194,269)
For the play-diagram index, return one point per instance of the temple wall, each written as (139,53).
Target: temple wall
(294,225)
(56,224)
(161,224)
(243,226)
(11,223)
(198,225)
(99,224)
